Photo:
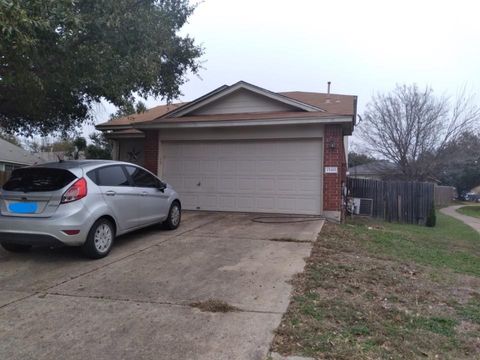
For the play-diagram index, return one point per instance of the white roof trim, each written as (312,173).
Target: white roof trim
(232,123)
(223,91)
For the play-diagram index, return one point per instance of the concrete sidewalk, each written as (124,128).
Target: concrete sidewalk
(470,221)
(136,303)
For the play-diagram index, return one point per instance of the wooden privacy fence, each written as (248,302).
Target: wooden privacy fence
(444,195)
(395,201)
(4,175)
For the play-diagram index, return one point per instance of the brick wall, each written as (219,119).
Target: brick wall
(150,149)
(334,156)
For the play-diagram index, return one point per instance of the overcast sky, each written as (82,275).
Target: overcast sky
(362,47)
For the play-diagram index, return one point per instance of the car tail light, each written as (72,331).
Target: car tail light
(75,192)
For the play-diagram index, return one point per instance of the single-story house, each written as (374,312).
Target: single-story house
(375,170)
(13,156)
(245,148)
(476,190)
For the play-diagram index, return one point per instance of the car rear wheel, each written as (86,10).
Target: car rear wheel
(16,247)
(174,216)
(99,240)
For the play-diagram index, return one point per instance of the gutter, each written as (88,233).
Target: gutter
(237,123)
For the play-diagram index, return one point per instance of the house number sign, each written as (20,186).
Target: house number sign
(331,169)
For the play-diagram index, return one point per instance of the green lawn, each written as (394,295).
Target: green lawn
(473,211)
(375,290)
(450,244)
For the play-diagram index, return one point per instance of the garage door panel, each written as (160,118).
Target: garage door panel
(208,167)
(245,203)
(285,204)
(286,185)
(307,204)
(191,166)
(191,183)
(307,186)
(227,166)
(308,167)
(226,202)
(227,184)
(177,180)
(189,201)
(262,175)
(266,167)
(172,167)
(246,184)
(245,167)
(208,201)
(210,184)
(265,186)
(265,204)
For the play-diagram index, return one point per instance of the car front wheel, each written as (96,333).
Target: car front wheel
(174,216)
(99,240)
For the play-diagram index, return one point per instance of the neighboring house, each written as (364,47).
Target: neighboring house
(476,190)
(13,157)
(245,148)
(376,170)
(53,156)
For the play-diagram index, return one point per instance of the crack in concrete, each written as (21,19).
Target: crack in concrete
(206,235)
(154,302)
(18,300)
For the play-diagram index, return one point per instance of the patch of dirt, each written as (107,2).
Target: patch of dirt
(213,305)
(290,240)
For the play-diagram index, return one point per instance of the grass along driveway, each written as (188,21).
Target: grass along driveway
(379,290)
(473,211)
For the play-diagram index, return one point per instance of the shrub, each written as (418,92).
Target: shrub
(431,218)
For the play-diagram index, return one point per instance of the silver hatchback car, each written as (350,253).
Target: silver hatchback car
(82,203)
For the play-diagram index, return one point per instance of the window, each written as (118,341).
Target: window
(38,179)
(111,176)
(141,178)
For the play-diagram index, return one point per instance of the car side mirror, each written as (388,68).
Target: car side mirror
(161,186)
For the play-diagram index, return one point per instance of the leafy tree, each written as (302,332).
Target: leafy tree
(80,144)
(63,145)
(357,158)
(10,138)
(129,108)
(58,57)
(460,165)
(411,127)
(100,148)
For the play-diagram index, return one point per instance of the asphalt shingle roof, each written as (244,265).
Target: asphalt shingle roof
(10,153)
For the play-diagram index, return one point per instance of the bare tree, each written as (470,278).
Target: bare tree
(410,127)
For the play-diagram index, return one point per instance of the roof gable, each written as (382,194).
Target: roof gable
(243,101)
(241,97)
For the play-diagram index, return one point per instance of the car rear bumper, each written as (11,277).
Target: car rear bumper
(29,239)
(48,230)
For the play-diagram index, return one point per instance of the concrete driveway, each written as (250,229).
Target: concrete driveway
(136,303)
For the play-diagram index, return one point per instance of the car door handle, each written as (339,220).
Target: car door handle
(144,193)
(110,193)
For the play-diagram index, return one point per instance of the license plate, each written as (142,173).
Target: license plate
(23,207)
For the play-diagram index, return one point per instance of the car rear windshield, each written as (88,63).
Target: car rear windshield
(38,179)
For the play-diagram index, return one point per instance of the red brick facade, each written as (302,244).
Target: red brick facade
(150,149)
(334,156)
